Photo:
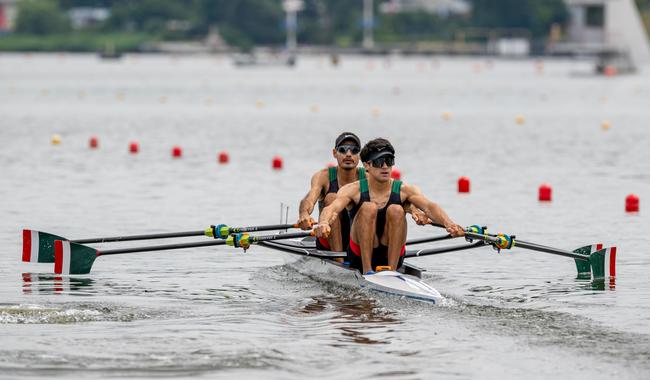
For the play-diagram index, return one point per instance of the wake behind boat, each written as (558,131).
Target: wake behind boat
(406,282)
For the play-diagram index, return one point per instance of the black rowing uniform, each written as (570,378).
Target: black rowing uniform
(380,253)
(323,243)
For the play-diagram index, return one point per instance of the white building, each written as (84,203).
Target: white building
(608,25)
(84,17)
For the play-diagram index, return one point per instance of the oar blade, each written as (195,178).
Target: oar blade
(603,264)
(73,258)
(38,247)
(583,266)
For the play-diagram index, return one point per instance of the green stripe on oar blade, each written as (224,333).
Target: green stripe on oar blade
(584,267)
(603,264)
(73,258)
(38,247)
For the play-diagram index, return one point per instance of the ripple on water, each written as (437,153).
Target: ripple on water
(68,313)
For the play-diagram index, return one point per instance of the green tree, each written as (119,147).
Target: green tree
(41,17)
(534,15)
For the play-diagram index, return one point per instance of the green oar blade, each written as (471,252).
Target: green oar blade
(38,247)
(603,264)
(584,267)
(73,258)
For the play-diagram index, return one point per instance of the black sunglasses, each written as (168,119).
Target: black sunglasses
(379,162)
(345,148)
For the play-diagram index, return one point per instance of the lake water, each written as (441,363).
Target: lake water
(217,312)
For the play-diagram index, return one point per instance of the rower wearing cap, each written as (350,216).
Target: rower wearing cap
(377,208)
(325,184)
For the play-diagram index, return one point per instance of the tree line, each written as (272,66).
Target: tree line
(245,23)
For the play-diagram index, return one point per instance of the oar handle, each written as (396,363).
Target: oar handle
(222,231)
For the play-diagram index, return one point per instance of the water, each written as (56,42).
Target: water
(217,312)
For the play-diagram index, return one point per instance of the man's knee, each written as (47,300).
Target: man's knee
(368,209)
(395,213)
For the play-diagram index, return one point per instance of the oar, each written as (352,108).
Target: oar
(438,250)
(74,258)
(38,247)
(602,262)
(428,239)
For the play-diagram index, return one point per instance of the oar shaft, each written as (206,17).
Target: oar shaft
(436,251)
(554,251)
(139,237)
(252,239)
(428,240)
(269,227)
(524,244)
(164,247)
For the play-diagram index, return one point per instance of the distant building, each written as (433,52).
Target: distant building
(7,15)
(606,26)
(439,7)
(86,17)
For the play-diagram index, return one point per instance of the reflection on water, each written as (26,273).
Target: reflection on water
(41,283)
(355,317)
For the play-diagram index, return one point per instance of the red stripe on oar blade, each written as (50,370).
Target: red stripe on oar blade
(58,257)
(612,262)
(27,245)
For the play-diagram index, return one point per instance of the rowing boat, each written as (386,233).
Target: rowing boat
(406,282)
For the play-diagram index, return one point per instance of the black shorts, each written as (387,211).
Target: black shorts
(344,218)
(379,258)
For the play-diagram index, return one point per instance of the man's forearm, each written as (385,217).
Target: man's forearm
(306,207)
(438,215)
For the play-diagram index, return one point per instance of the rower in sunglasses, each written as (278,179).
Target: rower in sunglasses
(378,231)
(325,184)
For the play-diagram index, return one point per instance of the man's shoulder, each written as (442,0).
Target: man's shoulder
(321,175)
(351,187)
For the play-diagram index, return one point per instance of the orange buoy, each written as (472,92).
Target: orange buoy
(93,142)
(545,193)
(463,185)
(632,203)
(610,71)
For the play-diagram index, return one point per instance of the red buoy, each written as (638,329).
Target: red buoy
(396,174)
(632,203)
(223,157)
(277,163)
(463,185)
(177,152)
(134,147)
(545,192)
(93,142)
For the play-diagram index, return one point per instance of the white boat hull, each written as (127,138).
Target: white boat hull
(386,282)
